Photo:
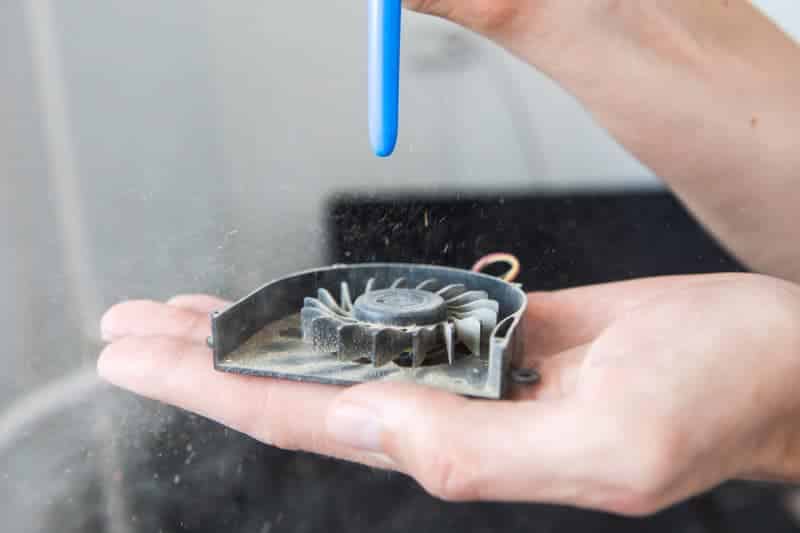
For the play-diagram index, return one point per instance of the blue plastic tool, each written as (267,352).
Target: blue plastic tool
(384,74)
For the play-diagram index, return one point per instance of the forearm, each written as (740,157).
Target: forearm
(707,94)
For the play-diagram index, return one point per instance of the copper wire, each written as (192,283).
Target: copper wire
(492,259)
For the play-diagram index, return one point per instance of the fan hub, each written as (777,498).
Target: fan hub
(401,307)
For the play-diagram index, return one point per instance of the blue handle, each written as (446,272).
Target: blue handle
(384,74)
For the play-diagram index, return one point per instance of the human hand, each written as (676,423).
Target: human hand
(705,94)
(652,391)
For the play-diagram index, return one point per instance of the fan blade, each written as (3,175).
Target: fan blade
(418,350)
(388,345)
(325,335)
(347,300)
(307,317)
(468,297)
(491,305)
(487,318)
(468,331)
(427,285)
(449,342)
(399,282)
(422,342)
(327,298)
(451,291)
(354,343)
(370,285)
(313,303)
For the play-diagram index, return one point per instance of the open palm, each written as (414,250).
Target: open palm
(630,371)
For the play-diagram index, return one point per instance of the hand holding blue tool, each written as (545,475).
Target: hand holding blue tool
(384,74)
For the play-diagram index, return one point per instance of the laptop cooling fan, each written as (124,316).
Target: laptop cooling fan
(447,328)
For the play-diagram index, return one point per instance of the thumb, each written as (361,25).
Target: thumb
(465,450)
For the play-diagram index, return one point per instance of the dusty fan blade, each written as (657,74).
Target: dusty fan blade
(370,285)
(449,342)
(347,300)
(468,331)
(490,305)
(325,336)
(467,298)
(451,291)
(388,345)
(418,350)
(487,318)
(423,341)
(315,304)
(353,343)
(327,298)
(427,285)
(307,317)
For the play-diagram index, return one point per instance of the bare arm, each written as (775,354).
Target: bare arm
(707,94)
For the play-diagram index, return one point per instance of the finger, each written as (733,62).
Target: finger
(201,303)
(466,450)
(143,318)
(490,17)
(282,413)
(562,320)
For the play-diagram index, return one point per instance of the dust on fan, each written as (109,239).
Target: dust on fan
(383,325)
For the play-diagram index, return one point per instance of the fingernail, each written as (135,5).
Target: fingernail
(355,427)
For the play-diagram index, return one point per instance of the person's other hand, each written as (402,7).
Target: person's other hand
(652,391)
(705,93)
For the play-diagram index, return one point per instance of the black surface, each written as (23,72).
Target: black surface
(561,241)
(234,484)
